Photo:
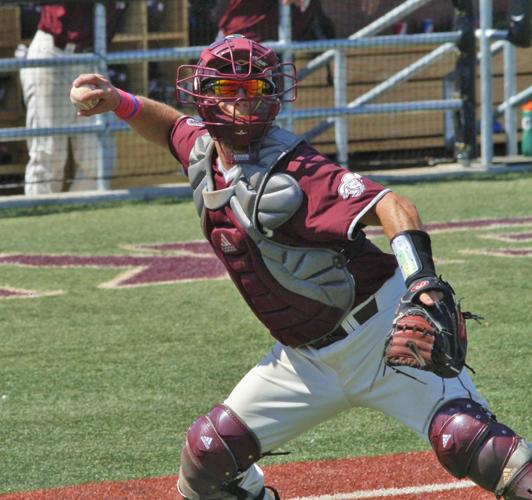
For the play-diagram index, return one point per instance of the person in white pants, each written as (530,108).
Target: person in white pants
(45,91)
(63,30)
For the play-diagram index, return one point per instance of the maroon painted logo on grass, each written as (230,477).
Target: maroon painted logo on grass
(167,263)
(160,263)
(19,293)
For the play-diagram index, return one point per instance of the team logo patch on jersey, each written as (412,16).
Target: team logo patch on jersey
(351,185)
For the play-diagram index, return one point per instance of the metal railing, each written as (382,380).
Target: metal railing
(448,42)
(337,116)
(366,38)
(492,41)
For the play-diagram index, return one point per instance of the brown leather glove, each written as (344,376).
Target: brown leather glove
(431,338)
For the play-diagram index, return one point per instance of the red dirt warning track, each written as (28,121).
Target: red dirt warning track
(405,476)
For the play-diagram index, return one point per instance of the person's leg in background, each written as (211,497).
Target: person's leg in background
(46,94)
(42,89)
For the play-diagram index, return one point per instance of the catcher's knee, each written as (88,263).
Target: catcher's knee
(468,441)
(219,446)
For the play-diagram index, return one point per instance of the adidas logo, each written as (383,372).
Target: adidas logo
(206,440)
(226,245)
(445,440)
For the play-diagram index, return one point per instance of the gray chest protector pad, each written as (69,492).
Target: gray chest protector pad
(263,201)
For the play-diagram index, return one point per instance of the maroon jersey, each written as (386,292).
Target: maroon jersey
(259,20)
(334,201)
(73,23)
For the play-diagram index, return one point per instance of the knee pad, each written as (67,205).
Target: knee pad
(219,446)
(468,441)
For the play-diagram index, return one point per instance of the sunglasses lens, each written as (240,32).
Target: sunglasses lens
(226,88)
(230,88)
(254,87)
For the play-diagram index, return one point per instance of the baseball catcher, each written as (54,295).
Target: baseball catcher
(288,225)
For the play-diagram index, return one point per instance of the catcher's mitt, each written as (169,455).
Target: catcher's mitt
(431,338)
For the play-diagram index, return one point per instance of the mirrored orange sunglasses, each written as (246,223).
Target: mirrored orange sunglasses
(229,88)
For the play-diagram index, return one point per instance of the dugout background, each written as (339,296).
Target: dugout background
(376,141)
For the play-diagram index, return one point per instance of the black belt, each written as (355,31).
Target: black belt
(361,316)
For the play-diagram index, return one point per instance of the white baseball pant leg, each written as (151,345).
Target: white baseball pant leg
(292,390)
(46,94)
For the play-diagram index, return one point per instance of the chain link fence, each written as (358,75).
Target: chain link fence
(38,96)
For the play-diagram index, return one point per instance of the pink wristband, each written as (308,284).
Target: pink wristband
(129,106)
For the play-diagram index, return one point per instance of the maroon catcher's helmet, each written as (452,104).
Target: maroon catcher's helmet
(233,63)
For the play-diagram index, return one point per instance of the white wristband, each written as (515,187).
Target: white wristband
(406,255)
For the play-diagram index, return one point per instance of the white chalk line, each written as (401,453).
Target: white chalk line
(390,492)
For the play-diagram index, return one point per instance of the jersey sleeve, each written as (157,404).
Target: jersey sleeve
(335,199)
(182,138)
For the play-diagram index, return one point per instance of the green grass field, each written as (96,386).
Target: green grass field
(99,384)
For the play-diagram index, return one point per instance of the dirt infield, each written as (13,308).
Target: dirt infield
(405,476)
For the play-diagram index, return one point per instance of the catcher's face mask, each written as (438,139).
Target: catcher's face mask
(237,87)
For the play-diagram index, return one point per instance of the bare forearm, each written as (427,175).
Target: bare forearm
(395,214)
(411,245)
(155,121)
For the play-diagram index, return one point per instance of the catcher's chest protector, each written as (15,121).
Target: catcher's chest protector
(308,290)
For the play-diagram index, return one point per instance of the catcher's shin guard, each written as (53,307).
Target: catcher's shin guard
(219,447)
(468,441)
